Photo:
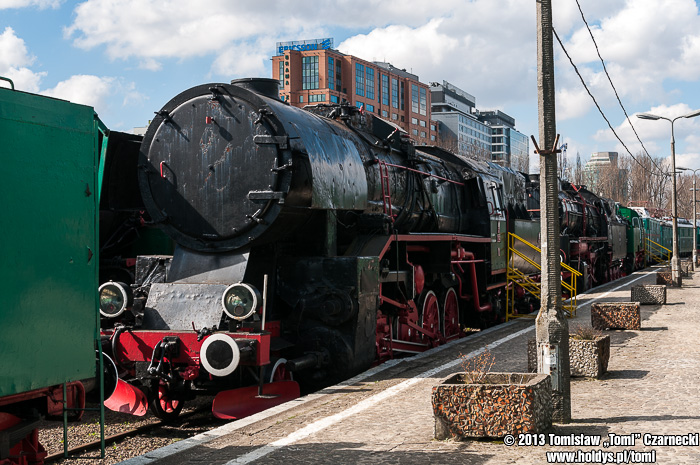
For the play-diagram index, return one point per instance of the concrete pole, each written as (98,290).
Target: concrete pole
(552,329)
(695,225)
(675,265)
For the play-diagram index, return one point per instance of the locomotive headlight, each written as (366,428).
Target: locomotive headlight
(114,298)
(240,301)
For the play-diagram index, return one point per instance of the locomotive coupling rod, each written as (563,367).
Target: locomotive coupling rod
(546,152)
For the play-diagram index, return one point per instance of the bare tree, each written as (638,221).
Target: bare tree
(613,181)
(649,183)
(684,196)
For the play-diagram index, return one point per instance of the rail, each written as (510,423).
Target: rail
(656,252)
(517,279)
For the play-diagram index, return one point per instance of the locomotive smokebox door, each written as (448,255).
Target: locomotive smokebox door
(212,167)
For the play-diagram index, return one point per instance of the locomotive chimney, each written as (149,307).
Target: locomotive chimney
(264,86)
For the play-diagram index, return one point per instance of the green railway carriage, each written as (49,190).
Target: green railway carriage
(685,237)
(49,320)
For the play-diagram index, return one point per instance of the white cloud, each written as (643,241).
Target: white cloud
(5,4)
(461,48)
(181,28)
(84,89)
(454,40)
(241,60)
(15,61)
(644,44)
(688,160)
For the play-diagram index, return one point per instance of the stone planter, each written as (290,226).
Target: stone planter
(664,277)
(616,315)
(505,403)
(686,268)
(588,358)
(649,294)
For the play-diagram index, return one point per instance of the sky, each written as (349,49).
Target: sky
(127,58)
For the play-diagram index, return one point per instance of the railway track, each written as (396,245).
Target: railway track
(126,436)
(95,445)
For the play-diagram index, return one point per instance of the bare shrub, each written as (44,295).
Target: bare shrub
(476,368)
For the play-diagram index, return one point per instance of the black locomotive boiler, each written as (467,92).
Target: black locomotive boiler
(309,243)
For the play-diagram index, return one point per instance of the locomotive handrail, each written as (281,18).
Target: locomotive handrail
(424,173)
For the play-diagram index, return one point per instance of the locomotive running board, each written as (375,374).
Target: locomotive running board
(127,399)
(242,402)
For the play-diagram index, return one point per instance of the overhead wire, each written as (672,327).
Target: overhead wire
(605,69)
(583,82)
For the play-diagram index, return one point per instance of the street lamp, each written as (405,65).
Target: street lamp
(675,269)
(695,219)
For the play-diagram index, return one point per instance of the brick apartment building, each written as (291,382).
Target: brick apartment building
(312,72)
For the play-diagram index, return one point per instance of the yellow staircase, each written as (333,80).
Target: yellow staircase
(656,252)
(515,277)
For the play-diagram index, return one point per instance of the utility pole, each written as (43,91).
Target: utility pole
(552,329)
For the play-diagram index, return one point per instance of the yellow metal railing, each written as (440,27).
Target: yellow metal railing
(516,278)
(656,252)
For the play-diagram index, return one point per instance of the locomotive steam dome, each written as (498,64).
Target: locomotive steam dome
(212,167)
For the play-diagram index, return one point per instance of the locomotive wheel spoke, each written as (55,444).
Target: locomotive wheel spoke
(430,315)
(450,310)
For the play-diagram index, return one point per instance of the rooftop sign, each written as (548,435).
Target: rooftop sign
(304,45)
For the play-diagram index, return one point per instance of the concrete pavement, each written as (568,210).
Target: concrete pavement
(385,416)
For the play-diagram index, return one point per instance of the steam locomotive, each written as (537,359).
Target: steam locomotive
(309,244)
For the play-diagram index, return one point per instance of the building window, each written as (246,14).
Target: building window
(385,114)
(415,98)
(401,96)
(432,127)
(317,98)
(432,138)
(301,99)
(422,133)
(394,93)
(423,102)
(385,89)
(414,121)
(414,131)
(309,72)
(394,116)
(338,76)
(281,73)
(422,123)
(360,79)
(334,98)
(370,108)
(331,70)
(370,83)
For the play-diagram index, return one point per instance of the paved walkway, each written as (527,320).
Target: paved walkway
(386,418)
